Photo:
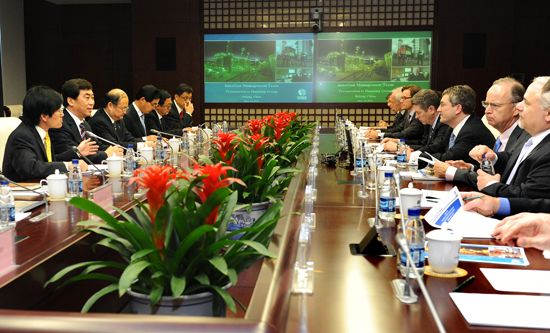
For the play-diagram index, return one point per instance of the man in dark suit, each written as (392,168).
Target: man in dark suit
(107,122)
(394,103)
(147,98)
(435,138)
(466,128)
(500,109)
(525,171)
(180,116)
(412,127)
(156,120)
(78,102)
(29,154)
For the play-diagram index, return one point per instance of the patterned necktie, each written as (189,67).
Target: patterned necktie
(452,141)
(520,159)
(142,117)
(497,144)
(48,145)
(115,125)
(431,134)
(82,131)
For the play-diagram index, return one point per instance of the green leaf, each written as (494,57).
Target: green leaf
(130,274)
(226,297)
(92,276)
(177,284)
(66,270)
(186,245)
(98,295)
(202,278)
(156,294)
(233,276)
(142,253)
(219,263)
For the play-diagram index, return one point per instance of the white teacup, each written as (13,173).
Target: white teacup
(444,249)
(114,165)
(411,199)
(382,171)
(175,144)
(147,153)
(57,185)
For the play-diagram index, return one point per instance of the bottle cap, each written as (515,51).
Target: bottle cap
(4,182)
(484,156)
(414,211)
(130,146)
(388,174)
(75,161)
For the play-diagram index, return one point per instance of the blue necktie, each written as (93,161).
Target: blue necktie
(142,117)
(497,145)
(452,141)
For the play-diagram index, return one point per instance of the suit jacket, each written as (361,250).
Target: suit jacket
(152,121)
(518,137)
(532,178)
(521,205)
(435,143)
(64,138)
(133,123)
(25,156)
(398,124)
(412,130)
(101,125)
(473,133)
(174,122)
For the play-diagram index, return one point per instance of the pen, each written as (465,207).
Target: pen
(464,284)
(472,198)
(432,201)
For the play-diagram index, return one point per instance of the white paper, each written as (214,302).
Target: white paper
(469,224)
(504,310)
(21,216)
(518,280)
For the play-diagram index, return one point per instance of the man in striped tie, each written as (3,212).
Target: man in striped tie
(147,99)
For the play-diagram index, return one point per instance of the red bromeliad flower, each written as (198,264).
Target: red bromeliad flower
(256,125)
(226,144)
(217,178)
(279,124)
(258,142)
(157,180)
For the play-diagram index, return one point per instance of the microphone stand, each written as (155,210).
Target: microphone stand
(75,149)
(116,144)
(154,131)
(402,242)
(41,216)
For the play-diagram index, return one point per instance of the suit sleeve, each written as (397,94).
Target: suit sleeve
(440,141)
(173,120)
(466,177)
(520,205)
(62,143)
(413,132)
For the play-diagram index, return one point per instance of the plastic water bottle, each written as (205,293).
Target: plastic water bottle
(75,180)
(416,238)
(225,126)
(386,212)
(361,158)
(7,205)
(215,130)
(199,144)
(129,162)
(487,165)
(159,152)
(402,154)
(184,148)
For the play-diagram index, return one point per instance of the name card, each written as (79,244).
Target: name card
(103,197)
(7,253)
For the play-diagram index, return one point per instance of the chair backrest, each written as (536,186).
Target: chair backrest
(7,125)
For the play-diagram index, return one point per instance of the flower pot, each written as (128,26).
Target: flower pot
(188,305)
(241,219)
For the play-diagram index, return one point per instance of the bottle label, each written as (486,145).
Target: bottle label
(417,254)
(387,205)
(401,158)
(75,186)
(359,162)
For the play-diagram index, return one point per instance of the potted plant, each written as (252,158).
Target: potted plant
(177,245)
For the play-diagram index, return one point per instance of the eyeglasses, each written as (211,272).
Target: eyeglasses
(494,106)
(154,104)
(123,109)
(185,98)
(166,106)
(406,97)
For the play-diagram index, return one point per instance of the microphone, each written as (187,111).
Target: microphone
(402,243)
(152,130)
(93,135)
(41,216)
(75,149)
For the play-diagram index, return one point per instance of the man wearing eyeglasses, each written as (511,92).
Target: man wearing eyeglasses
(147,99)
(501,112)
(156,120)
(180,116)
(107,122)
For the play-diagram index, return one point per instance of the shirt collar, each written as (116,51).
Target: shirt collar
(107,113)
(137,109)
(436,120)
(177,107)
(41,132)
(539,137)
(158,115)
(505,136)
(75,118)
(458,127)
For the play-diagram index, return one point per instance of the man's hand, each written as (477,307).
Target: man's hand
(389,139)
(486,205)
(88,147)
(370,134)
(440,168)
(530,230)
(460,165)
(382,123)
(189,108)
(390,146)
(484,178)
(152,138)
(478,151)
(114,150)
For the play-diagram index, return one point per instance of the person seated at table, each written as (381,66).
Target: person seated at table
(107,122)
(29,154)
(502,113)
(147,98)
(180,116)
(412,127)
(466,128)
(530,229)
(526,171)
(394,103)
(436,134)
(156,119)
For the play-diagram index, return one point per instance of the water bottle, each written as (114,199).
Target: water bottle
(159,152)
(416,238)
(401,154)
(184,148)
(199,143)
(386,212)
(129,162)
(361,158)
(487,166)
(215,130)
(75,180)
(225,126)
(7,205)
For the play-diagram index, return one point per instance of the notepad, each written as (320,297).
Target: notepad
(518,280)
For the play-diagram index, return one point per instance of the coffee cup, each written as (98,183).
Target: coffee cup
(57,185)
(411,199)
(382,171)
(175,144)
(147,153)
(114,165)
(444,249)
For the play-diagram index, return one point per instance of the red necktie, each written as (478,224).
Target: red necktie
(181,114)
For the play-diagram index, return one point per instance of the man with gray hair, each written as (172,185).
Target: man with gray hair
(500,109)
(394,102)
(436,134)
(526,171)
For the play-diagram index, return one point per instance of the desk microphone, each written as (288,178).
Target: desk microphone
(402,243)
(154,131)
(41,216)
(93,135)
(75,149)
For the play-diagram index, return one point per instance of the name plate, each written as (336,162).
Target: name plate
(7,253)
(103,197)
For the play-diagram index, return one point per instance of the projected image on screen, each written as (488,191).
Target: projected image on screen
(411,59)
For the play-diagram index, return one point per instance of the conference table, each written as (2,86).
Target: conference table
(351,293)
